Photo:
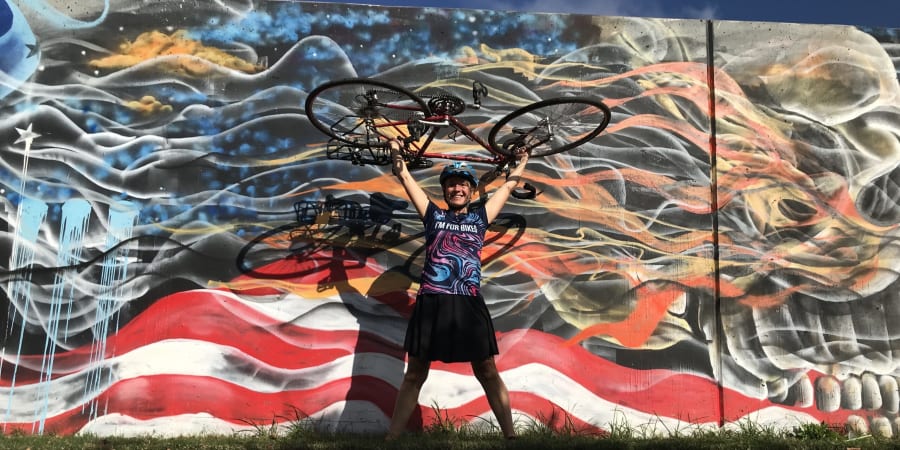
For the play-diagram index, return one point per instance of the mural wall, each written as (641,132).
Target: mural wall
(179,254)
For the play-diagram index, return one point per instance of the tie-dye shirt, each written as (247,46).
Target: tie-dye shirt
(453,245)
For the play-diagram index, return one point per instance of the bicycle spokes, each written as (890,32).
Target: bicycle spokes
(549,126)
(362,113)
(529,138)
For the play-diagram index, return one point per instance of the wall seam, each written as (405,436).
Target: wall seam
(714,207)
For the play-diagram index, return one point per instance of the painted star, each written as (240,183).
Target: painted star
(26,135)
(32,49)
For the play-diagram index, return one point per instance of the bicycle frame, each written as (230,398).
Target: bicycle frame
(361,115)
(421,152)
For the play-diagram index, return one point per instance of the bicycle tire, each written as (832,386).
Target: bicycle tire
(341,110)
(572,121)
(278,244)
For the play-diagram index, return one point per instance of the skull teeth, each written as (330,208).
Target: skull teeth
(877,395)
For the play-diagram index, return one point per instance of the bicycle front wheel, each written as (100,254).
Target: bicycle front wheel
(363,112)
(549,126)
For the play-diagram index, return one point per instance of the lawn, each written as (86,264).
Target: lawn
(445,436)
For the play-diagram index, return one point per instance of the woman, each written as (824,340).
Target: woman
(450,321)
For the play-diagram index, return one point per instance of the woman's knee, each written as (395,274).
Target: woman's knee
(415,378)
(486,371)
(416,373)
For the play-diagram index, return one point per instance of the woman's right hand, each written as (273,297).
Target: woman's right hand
(397,163)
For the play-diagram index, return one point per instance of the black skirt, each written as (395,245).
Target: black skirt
(450,328)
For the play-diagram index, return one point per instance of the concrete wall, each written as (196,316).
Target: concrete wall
(708,260)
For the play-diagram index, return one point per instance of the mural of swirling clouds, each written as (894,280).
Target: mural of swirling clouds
(878,13)
(172,258)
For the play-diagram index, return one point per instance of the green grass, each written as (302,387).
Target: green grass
(555,431)
(445,440)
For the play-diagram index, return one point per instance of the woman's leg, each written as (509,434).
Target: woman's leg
(497,395)
(408,395)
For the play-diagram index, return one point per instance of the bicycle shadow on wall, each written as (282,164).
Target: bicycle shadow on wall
(296,249)
(330,246)
(330,241)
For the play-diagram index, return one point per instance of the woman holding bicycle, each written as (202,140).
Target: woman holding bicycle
(450,321)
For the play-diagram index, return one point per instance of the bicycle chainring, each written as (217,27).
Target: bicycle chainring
(446,104)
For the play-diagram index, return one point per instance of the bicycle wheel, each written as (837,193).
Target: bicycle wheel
(549,126)
(363,112)
(289,244)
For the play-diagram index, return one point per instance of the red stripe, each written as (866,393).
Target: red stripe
(213,317)
(209,316)
(170,395)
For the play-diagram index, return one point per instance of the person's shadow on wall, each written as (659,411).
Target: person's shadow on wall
(381,312)
(378,359)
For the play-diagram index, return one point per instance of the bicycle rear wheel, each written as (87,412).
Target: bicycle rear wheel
(362,112)
(550,126)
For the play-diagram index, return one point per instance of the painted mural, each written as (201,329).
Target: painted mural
(179,254)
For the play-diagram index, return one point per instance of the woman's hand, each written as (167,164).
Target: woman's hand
(521,155)
(397,163)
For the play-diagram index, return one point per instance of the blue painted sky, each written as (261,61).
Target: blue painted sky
(885,13)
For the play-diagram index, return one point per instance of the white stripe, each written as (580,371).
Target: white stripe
(330,313)
(120,425)
(773,416)
(445,390)
(201,359)
(451,390)
(365,418)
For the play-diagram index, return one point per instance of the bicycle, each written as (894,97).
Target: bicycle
(361,115)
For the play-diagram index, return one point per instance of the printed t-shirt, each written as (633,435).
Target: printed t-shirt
(453,245)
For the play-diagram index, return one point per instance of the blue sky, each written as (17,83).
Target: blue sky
(884,13)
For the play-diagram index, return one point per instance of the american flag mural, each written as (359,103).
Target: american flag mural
(179,255)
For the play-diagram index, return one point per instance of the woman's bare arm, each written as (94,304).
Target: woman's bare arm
(416,195)
(496,201)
